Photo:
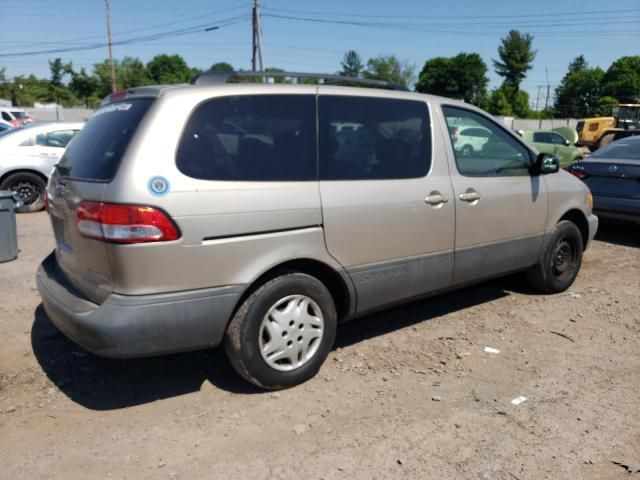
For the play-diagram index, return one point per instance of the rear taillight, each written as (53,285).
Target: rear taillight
(125,223)
(578,173)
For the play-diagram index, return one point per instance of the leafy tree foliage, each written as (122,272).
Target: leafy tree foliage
(167,69)
(579,92)
(58,71)
(221,67)
(463,76)
(84,86)
(351,64)
(498,103)
(622,79)
(516,57)
(390,69)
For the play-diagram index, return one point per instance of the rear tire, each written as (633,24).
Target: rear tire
(561,261)
(31,189)
(282,332)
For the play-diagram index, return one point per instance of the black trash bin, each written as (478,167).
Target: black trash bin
(9,201)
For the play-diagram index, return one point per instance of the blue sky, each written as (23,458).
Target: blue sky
(413,30)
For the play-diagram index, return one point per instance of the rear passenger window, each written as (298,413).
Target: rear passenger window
(373,138)
(252,138)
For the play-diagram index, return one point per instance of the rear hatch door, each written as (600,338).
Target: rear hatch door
(90,162)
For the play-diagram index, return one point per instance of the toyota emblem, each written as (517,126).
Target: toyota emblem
(613,168)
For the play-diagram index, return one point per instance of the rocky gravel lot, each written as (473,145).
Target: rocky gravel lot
(407,393)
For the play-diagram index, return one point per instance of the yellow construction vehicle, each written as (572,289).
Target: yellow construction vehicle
(599,131)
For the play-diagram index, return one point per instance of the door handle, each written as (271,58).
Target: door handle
(471,196)
(436,199)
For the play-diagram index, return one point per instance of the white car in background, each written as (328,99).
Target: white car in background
(471,139)
(27,156)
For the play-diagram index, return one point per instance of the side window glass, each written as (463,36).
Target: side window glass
(540,137)
(499,154)
(373,138)
(6,116)
(41,139)
(60,138)
(251,138)
(557,139)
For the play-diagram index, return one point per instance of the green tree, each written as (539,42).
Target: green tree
(58,71)
(463,76)
(516,57)
(499,104)
(351,64)
(84,86)
(622,79)
(390,69)
(169,69)
(520,104)
(579,92)
(131,72)
(605,105)
(221,67)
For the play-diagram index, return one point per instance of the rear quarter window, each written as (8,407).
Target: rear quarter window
(251,138)
(98,148)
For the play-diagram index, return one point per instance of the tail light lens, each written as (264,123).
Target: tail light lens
(578,173)
(125,223)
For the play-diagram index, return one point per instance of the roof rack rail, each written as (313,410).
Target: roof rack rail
(218,78)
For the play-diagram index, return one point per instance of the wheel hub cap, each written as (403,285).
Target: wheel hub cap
(562,258)
(291,332)
(27,192)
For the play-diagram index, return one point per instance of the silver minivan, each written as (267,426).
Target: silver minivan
(263,215)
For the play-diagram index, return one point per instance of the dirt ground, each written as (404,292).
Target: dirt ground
(408,393)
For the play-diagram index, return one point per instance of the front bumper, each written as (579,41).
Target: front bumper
(125,326)
(593,229)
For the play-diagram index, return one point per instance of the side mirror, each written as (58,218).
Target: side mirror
(545,163)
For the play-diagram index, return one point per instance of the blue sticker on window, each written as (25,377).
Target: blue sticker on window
(158,186)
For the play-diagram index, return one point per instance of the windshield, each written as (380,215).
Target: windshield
(622,149)
(96,151)
(19,114)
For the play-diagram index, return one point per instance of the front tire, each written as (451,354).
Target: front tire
(29,187)
(561,261)
(282,332)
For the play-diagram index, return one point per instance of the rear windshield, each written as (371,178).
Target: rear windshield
(620,150)
(97,150)
(18,114)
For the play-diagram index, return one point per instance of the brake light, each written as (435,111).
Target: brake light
(125,223)
(118,95)
(577,173)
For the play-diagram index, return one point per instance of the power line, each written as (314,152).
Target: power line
(431,26)
(144,29)
(457,17)
(173,33)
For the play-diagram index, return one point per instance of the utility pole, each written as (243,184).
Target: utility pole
(257,39)
(538,106)
(546,102)
(113,69)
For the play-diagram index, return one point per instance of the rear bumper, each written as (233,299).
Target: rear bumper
(618,208)
(136,326)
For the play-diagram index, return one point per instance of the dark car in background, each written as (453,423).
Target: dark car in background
(613,175)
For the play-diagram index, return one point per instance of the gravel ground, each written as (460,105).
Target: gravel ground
(408,393)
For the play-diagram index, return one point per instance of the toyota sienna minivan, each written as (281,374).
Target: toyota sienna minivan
(260,216)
